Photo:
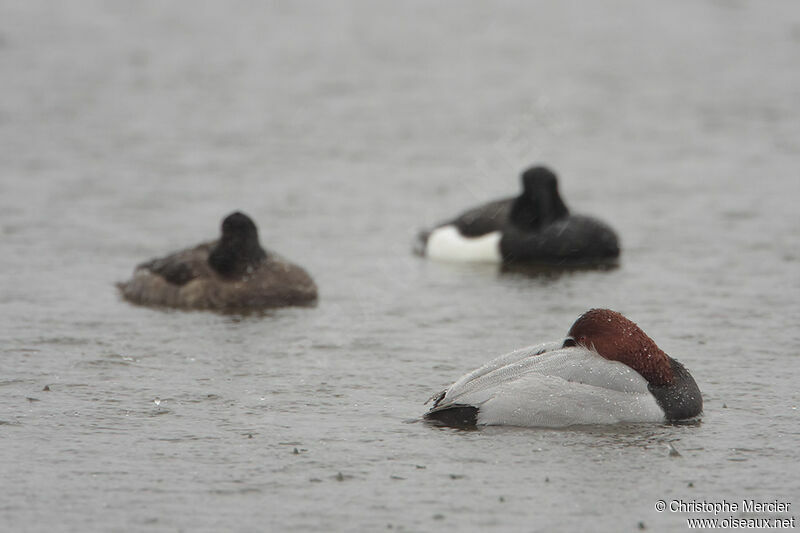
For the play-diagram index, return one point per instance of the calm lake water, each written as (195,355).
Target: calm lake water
(129,129)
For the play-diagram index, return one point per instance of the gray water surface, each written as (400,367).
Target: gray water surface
(129,129)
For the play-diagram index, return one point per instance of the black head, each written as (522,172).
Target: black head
(239,226)
(538,179)
(238,247)
(539,204)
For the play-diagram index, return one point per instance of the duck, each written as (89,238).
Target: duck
(535,227)
(233,272)
(606,371)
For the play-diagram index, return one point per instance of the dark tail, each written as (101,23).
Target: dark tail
(457,416)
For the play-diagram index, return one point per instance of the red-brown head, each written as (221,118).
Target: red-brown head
(618,339)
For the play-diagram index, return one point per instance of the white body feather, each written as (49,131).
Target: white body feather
(447,244)
(549,386)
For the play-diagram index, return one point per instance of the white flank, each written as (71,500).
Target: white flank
(558,388)
(447,244)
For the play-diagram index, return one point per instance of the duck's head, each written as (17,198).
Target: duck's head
(238,247)
(618,339)
(539,204)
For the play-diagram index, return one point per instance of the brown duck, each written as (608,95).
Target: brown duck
(229,274)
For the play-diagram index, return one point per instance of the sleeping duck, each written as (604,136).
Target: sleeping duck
(606,371)
(231,273)
(534,227)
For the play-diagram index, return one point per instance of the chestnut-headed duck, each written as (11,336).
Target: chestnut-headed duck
(606,371)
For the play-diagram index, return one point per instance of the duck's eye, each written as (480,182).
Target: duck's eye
(569,342)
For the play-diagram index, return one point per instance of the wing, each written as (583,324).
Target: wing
(484,219)
(181,267)
(494,364)
(518,369)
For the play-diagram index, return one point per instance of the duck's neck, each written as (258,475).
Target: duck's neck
(230,258)
(532,212)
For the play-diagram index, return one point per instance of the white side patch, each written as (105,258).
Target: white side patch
(559,387)
(447,244)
